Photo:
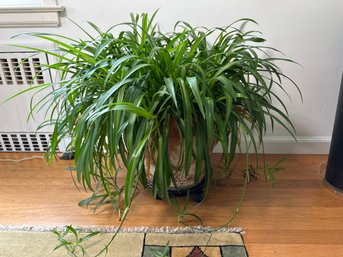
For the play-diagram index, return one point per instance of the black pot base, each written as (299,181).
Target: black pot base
(196,193)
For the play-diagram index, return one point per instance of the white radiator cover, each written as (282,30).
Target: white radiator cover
(20,70)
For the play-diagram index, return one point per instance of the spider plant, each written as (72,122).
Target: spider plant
(119,92)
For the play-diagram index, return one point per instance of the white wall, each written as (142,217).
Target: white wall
(309,32)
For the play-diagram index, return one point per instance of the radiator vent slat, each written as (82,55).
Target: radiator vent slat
(24,70)
(24,142)
(6,71)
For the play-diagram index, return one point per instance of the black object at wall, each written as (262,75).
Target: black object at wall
(334,170)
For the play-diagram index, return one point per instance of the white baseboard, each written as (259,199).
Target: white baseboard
(275,145)
(287,145)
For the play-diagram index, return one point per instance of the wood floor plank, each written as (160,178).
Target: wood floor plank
(295,250)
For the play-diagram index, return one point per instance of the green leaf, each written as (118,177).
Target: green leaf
(131,172)
(192,81)
(171,89)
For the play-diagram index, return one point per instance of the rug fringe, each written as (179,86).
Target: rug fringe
(110,229)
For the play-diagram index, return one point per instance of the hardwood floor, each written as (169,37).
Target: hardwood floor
(298,217)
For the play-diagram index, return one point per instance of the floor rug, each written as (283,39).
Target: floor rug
(130,242)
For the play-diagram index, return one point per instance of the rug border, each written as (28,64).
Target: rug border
(112,229)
